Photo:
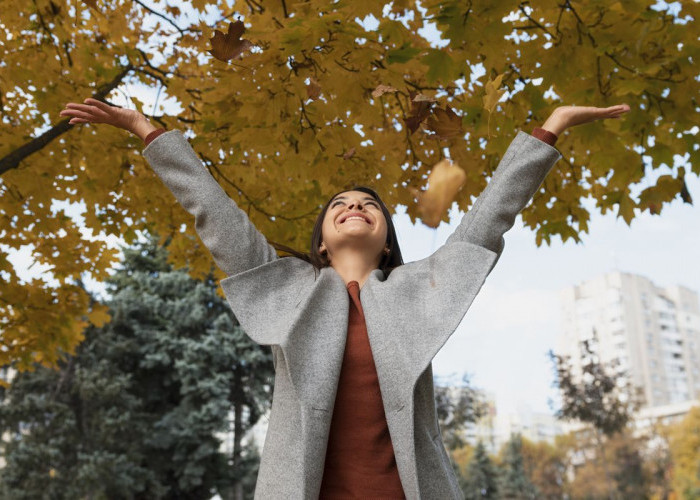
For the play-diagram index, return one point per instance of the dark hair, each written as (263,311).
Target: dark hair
(389,261)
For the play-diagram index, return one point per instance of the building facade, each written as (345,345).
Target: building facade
(651,332)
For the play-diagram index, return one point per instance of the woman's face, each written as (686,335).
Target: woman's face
(341,232)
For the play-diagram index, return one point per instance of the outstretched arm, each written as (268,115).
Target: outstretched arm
(520,173)
(224,228)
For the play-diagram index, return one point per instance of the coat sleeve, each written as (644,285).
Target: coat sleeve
(224,228)
(518,176)
(436,292)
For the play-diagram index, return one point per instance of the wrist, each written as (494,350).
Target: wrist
(142,127)
(555,124)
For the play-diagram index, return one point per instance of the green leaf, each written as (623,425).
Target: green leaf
(441,67)
(402,55)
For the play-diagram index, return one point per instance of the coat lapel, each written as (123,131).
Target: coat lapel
(413,313)
(283,303)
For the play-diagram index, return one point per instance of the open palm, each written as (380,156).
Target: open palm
(94,111)
(577,115)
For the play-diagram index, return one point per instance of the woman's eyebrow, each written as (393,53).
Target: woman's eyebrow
(345,197)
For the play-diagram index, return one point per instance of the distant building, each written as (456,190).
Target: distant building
(254,435)
(651,331)
(494,429)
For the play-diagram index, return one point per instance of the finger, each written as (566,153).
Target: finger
(99,104)
(74,121)
(85,108)
(78,114)
(68,112)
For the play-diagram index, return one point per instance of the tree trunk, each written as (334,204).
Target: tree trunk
(608,481)
(237,430)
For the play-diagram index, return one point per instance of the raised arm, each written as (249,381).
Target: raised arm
(519,174)
(224,228)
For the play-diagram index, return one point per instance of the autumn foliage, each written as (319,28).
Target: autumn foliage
(288,102)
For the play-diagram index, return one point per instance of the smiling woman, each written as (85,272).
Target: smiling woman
(352,329)
(356,235)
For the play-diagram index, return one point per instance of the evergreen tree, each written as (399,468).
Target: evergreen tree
(481,479)
(514,480)
(135,411)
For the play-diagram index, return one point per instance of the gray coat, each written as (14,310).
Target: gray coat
(409,317)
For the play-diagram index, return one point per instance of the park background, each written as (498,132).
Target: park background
(507,357)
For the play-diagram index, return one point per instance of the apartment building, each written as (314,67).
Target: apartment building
(652,332)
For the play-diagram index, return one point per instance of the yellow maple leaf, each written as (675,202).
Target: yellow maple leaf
(99,315)
(492,95)
(444,182)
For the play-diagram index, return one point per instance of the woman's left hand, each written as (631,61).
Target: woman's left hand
(564,117)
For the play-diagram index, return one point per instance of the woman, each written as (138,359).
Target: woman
(353,413)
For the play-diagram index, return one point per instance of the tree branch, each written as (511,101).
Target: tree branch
(162,16)
(13,159)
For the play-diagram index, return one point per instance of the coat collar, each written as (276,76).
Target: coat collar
(409,317)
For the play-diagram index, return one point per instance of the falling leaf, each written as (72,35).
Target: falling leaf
(420,109)
(230,45)
(313,89)
(349,154)
(492,96)
(382,89)
(444,182)
(445,123)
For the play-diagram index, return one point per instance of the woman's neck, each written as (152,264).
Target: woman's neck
(354,267)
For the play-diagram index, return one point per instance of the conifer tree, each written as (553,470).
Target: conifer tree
(481,481)
(137,411)
(514,480)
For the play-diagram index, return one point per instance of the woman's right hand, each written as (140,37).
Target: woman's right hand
(94,111)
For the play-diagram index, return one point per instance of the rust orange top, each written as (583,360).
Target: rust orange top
(360,460)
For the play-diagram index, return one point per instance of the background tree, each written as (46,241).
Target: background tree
(684,445)
(481,478)
(135,412)
(300,114)
(457,407)
(515,482)
(546,465)
(601,396)
(614,469)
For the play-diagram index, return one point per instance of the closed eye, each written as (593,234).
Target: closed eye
(367,203)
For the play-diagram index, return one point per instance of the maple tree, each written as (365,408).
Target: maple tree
(313,97)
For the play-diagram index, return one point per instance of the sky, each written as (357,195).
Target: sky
(502,342)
